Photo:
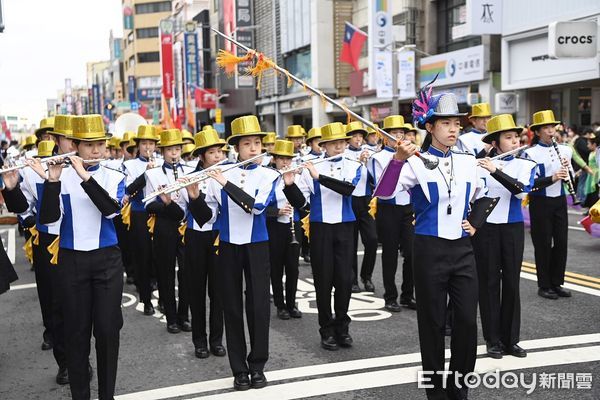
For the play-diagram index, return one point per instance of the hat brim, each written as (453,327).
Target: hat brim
(307,141)
(234,139)
(179,143)
(361,131)
(39,131)
(273,153)
(479,116)
(392,127)
(198,149)
(533,126)
(107,136)
(135,139)
(346,138)
(54,133)
(495,135)
(294,136)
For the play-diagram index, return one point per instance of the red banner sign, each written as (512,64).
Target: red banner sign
(166,56)
(206,98)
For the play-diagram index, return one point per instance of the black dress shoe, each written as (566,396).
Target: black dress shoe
(369,287)
(160,308)
(62,377)
(562,292)
(547,293)
(356,288)
(201,352)
(130,280)
(241,381)
(516,351)
(282,313)
(295,313)
(393,306)
(306,258)
(149,309)
(345,340)
(409,303)
(153,286)
(218,350)
(258,380)
(185,326)
(47,345)
(329,343)
(494,350)
(173,328)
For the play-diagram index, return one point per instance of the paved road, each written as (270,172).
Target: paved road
(563,339)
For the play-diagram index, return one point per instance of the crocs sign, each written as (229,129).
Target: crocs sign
(573,39)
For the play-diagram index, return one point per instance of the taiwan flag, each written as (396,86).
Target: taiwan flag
(354,39)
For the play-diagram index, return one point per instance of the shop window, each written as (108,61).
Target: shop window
(144,33)
(151,56)
(148,8)
(298,63)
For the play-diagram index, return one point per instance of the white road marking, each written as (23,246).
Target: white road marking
(348,366)
(25,286)
(567,285)
(399,376)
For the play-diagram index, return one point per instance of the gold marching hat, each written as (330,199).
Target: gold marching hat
(187,148)
(226,148)
(294,131)
(146,132)
(393,122)
(410,128)
(244,126)
(46,124)
(206,138)
(89,128)
(187,136)
(127,137)
(283,148)
(171,137)
(130,145)
(333,131)
(62,126)
(356,127)
(544,117)
(313,133)
(498,124)
(270,138)
(30,141)
(481,110)
(45,148)
(371,131)
(114,142)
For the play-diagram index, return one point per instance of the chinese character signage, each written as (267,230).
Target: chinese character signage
(380,35)
(459,66)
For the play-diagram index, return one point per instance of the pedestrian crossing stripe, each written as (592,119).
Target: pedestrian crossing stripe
(568,277)
(568,273)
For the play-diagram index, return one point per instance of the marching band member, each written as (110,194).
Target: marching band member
(372,139)
(499,243)
(170,210)
(312,141)
(187,137)
(43,132)
(470,142)
(200,256)
(548,206)
(295,135)
(443,256)
(327,187)
(284,239)
(125,145)
(365,224)
(268,144)
(29,146)
(394,219)
(85,198)
(239,198)
(140,238)
(187,155)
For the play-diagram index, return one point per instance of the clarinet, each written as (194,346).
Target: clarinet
(175,177)
(293,229)
(571,180)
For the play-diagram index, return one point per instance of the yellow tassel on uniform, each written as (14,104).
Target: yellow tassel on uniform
(126,215)
(306,226)
(35,235)
(181,230)
(525,201)
(595,212)
(28,249)
(151,222)
(216,244)
(373,207)
(53,250)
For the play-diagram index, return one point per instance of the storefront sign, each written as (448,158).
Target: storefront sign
(573,39)
(466,65)
(380,35)
(483,17)
(505,103)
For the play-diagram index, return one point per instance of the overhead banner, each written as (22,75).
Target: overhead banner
(131,87)
(383,74)
(459,66)
(96,98)
(166,57)
(380,35)
(243,19)
(192,62)
(406,74)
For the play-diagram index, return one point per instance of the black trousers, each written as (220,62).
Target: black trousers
(331,260)
(396,232)
(200,272)
(125,246)
(499,253)
(549,233)
(284,257)
(92,287)
(236,262)
(142,254)
(165,244)
(183,302)
(443,267)
(365,225)
(48,287)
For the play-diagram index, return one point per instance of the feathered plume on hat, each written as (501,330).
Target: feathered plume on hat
(423,107)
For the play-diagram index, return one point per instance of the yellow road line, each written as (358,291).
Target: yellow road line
(572,274)
(567,279)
